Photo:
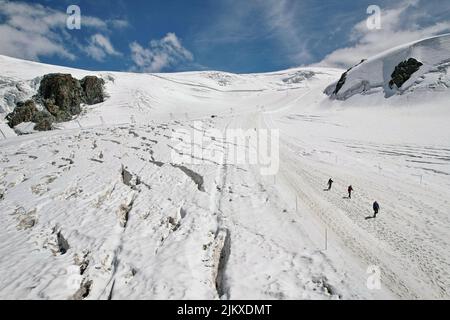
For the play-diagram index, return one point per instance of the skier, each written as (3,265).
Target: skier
(330,184)
(376,208)
(350,189)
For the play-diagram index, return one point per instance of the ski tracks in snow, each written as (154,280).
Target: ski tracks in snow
(412,255)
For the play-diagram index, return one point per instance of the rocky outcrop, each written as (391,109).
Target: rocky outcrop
(404,71)
(43,120)
(62,96)
(343,78)
(24,112)
(340,83)
(63,91)
(92,89)
(57,113)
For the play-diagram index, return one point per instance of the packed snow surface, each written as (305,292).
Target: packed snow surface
(98,209)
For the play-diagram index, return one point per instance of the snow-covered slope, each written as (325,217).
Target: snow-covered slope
(373,76)
(144,97)
(101,210)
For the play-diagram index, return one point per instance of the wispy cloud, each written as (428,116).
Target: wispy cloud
(283,21)
(119,23)
(160,54)
(99,47)
(277,23)
(407,22)
(31,31)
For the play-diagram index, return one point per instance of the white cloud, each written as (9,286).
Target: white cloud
(400,25)
(31,31)
(99,47)
(160,54)
(27,45)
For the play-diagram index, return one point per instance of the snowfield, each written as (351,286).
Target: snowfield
(99,209)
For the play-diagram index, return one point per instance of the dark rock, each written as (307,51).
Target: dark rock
(404,71)
(58,114)
(63,245)
(93,89)
(61,90)
(63,116)
(24,112)
(43,120)
(343,78)
(62,95)
(52,108)
(340,83)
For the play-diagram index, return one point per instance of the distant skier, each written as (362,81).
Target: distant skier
(330,184)
(350,190)
(376,209)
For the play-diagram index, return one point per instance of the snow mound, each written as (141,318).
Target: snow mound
(375,75)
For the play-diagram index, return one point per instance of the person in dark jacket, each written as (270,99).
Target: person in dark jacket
(376,209)
(330,184)
(350,190)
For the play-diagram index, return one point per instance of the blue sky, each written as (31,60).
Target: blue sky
(230,35)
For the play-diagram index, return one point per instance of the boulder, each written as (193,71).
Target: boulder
(62,95)
(61,90)
(403,72)
(57,113)
(43,121)
(24,112)
(92,89)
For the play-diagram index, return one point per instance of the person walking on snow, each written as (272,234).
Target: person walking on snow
(350,190)
(376,208)
(330,184)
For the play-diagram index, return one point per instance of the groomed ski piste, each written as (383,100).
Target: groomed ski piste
(99,209)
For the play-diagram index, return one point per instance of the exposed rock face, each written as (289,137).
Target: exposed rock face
(404,71)
(93,89)
(43,120)
(58,114)
(61,90)
(341,81)
(24,112)
(61,95)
